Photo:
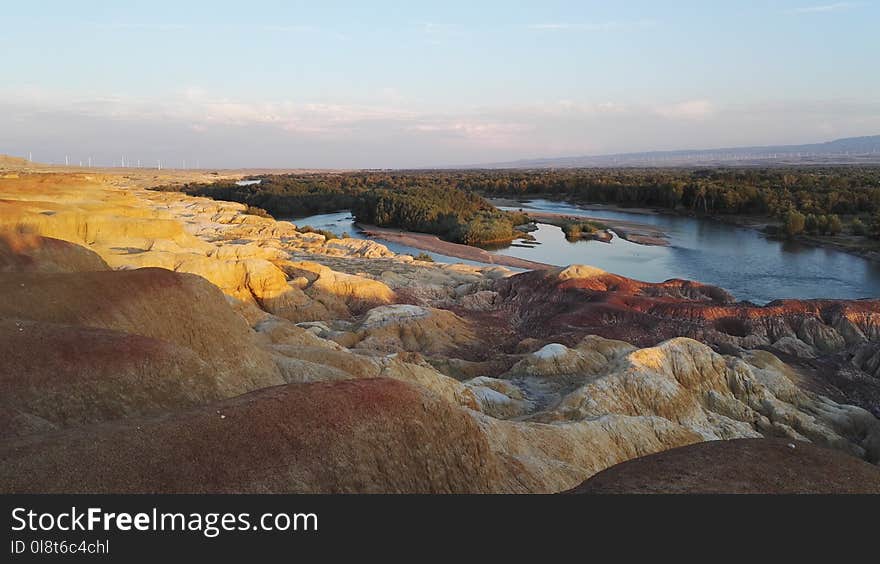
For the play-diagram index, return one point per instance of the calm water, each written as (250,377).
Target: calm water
(742,261)
(343,223)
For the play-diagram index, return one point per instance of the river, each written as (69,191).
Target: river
(742,261)
(342,223)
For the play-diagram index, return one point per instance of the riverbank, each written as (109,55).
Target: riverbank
(434,244)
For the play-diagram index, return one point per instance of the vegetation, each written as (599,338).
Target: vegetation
(794,223)
(257,211)
(823,224)
(817,190)
(858,227)
(417,202)
(818,196)
(804,200)
(425,257)
(309,229)
(455,215)
(577,229)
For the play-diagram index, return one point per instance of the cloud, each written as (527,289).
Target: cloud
(691,109)
(596,27)
(291,28)
(223,132)
(826,8)
(439,34)
(432,28)
(130,26)
(483,131)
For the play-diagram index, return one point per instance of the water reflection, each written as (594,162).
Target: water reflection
(743,261)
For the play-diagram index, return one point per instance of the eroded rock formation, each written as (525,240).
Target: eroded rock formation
(157,342)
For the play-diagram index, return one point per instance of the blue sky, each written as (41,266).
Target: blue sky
(400,84)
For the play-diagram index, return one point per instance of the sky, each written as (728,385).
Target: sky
(383,84)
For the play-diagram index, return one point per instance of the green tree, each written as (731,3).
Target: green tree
(834,224)
(875,226)
(811,224)
(858,227)
(794,223)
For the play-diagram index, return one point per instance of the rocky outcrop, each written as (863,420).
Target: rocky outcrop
(682,382)
(578,300)
(721,398)
(409,328)
(247,257)
(156,342)
(567,304)
(318,292)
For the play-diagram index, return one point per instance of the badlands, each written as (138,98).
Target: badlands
(157,342)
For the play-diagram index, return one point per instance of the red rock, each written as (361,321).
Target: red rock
(72,375)
(182,309)
(374,435)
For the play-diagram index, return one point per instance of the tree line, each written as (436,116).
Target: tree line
(816,200)
(423,203)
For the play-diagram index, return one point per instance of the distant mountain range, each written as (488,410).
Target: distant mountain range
(851,150)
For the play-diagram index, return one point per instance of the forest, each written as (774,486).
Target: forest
(808,200)
(411,202)
(451,203)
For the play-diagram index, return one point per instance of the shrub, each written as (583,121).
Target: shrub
(834,224)
(309,229)
(260,212)
(576,229)
(858,227)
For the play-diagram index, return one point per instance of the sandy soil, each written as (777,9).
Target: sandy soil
(435,244)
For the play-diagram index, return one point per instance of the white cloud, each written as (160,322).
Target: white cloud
(291,28)
(133,26)
(826,8)
(691,109)
(474,129)
(600,26)
(226,132)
